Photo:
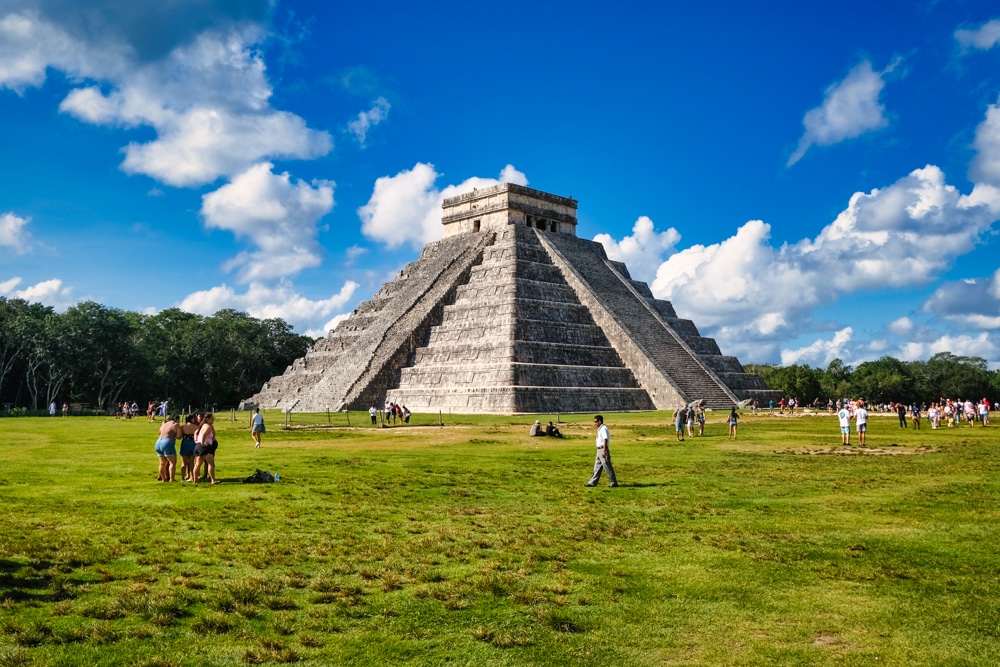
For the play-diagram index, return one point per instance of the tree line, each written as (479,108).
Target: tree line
(887,379)
(99,356)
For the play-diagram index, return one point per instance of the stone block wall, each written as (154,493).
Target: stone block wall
(511,312)
(517,339)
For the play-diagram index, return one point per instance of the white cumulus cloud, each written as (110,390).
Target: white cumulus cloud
(49,292)
(406,208)
(985,36)
(644,250)
(985,166)
(753,294)
(368,119)
(850,108)
(820,353)
(983,345)
(973,302)
(278,216)
(206,98)
(7,286)
(902,326)
(13,233)
(263,301)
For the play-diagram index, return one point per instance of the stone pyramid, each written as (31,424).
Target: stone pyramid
(511,312)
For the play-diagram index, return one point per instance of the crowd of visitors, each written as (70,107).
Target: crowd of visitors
(951,412)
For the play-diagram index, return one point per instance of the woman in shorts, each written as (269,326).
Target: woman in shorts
(733,419)
(205,450)
(188,431)
(166,449)
(256,427)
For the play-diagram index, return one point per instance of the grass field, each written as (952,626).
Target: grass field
(472,544)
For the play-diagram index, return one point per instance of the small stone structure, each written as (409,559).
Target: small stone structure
(511,312)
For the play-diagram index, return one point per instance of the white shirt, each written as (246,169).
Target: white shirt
(603,435)
(861,415)
(845,417)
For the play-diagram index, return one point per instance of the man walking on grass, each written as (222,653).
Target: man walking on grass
(603,461)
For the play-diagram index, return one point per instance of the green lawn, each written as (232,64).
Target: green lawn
(473,544)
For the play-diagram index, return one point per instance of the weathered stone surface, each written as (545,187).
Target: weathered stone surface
(511,312)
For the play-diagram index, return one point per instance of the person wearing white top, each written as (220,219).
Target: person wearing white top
(861,419)
(845,425)
(603,462)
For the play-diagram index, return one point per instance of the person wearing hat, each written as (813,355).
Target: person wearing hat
(536,429)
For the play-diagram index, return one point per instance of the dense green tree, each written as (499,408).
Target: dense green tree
(953,376)
(883,380)
(169,345)
(99,355)
(52,359)
(795,381)
(15,315)
(836,380)
(104,343)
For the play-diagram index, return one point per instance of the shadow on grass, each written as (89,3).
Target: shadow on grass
(34,581)
(633,485)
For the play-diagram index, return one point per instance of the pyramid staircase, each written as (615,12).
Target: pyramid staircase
(359,361)
(517,339)
(511,312)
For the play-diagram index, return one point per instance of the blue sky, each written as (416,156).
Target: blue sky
(803,182)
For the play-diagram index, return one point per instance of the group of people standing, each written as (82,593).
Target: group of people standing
(853,410)
(686,416)
(393,411)
(198,446)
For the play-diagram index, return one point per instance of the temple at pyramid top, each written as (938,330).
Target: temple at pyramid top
(495,207)
(511,312)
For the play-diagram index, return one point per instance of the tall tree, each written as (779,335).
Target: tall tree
(836,380)
(105,340)
(883,380)
(13,342)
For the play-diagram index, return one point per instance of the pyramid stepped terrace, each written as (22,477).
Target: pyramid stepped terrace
(509,313)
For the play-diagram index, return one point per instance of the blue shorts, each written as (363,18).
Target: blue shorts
(845,430)
(187,445)
(165,447)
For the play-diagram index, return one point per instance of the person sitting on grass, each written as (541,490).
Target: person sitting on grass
(552,431)
(536,429)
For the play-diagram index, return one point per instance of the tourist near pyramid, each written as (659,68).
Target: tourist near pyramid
(510,312)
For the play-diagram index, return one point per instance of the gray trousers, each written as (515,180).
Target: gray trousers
(603,463)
